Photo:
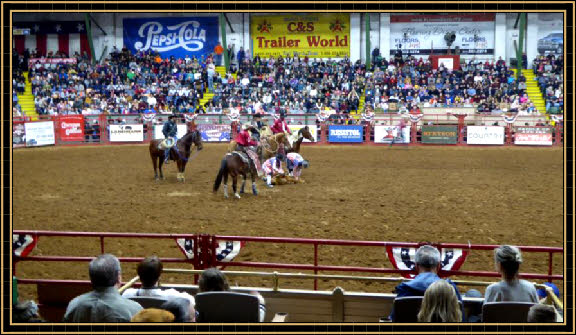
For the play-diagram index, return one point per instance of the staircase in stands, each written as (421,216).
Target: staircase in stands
(208,96)
(361,103)
(26,101)
(533,90)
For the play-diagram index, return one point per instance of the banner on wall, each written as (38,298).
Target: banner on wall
(127,133)
(485,135)
(181,131)
(440,134)
(550,33)
(72,127)
(533,136)
(346,134)
(387,134)
(172,36)
(44,61)
(39,133)
(214,132)
(312,35)
(313,131)
(18,135)
(424,34)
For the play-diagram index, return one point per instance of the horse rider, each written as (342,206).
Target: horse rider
(280,126)
(271,167)
(257,125)
(295,163)
(170,131)
(245,144)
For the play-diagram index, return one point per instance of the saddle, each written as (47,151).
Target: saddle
(242,156)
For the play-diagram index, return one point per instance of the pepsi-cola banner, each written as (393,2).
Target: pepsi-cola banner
(424,34)
(214,132)
(172,36)
(346,134)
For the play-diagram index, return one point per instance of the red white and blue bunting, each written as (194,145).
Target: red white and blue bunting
(190,117)
(404,258)
(415,118)
(225,252)
(510,119)
(148,117)
(23,244)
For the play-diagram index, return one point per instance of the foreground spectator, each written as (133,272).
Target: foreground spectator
(153,315)
(181,308)
(103,303)
(440,304)
(149,271)
(541,313)
(507,260)
(214,280)
(26,311)
(427,266)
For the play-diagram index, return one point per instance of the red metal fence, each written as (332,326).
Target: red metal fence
(205,246)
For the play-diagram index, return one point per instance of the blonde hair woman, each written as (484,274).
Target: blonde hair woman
(440,304)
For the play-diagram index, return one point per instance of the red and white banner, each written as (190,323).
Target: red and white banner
(71,127)
(533,136)
(43,61)
(22,245)
(405,259)
(225,252)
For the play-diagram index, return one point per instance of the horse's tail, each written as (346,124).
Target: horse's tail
(223,170)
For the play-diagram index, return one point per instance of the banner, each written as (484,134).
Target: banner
(387,134)
(419,34)
(127,133)
(440,134)
(39,133)
(312,35)
(550,33)
(181,131)
(313,131)
(44,61)
(214,132)
(18,135)
(349,134)
(172,36)
(405,259)
(533,136)
(72,127)
(225,251)
(485,135)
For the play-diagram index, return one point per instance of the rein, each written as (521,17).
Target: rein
(189,158)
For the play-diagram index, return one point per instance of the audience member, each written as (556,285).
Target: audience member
(440,304)
(153,315)
(26,311)
(542,313)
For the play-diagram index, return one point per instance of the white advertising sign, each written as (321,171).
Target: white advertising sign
(313,131)
(424,34)
(127,133)
(39,133)
(182,130)
(485,135)
(387,134)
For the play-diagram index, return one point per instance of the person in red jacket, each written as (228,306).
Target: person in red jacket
(280,126)
(244,143)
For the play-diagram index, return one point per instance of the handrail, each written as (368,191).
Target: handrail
(128,284)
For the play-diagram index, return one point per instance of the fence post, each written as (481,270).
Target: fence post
(414,132)
(367,132)
(558,136)
(323,137)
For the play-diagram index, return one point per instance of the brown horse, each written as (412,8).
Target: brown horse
(269,146)
(303,133)
(180,153)
(232,164)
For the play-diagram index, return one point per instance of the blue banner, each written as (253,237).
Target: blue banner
(172,36)
(214,132)
(353,134)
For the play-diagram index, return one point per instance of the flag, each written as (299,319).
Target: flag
(22,244)
(59,36)
(225,252)
(404,259)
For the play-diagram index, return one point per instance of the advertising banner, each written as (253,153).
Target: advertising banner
(181,131)
(440,134)
(387,134)
(485,135)
(39,133)
(44,61)
(127,133)
(72,127)
(172,36)
(214,132)
(550,33)
(313,131)
(424,34)
(533,136)
(315,35)
(347,134)
(18,135)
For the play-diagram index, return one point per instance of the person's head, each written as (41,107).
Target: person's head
(440,304)
(105,271)
(153,315)
(427,259)
(305,164)
(172,118)
(149,271)
(212,280)
(280,157)
(542,293)
(507,260)
(541,313)
(26,311)
(181,308)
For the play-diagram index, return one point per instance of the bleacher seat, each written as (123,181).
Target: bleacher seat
(227,307)
(505,312)
(406,309)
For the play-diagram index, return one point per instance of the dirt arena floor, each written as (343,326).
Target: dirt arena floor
(502,195)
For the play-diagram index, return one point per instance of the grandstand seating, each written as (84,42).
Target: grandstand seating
(533,90)
(505,312)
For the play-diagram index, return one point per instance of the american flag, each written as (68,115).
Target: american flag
(53,36)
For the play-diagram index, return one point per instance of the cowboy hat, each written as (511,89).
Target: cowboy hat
(246,126)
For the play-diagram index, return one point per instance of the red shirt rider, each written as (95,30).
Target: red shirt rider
(280,126)
(244,139)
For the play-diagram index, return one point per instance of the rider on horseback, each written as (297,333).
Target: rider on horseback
(273,166)
(280,126)
(170,130)
(295,162)
(245,144)
(257,125)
